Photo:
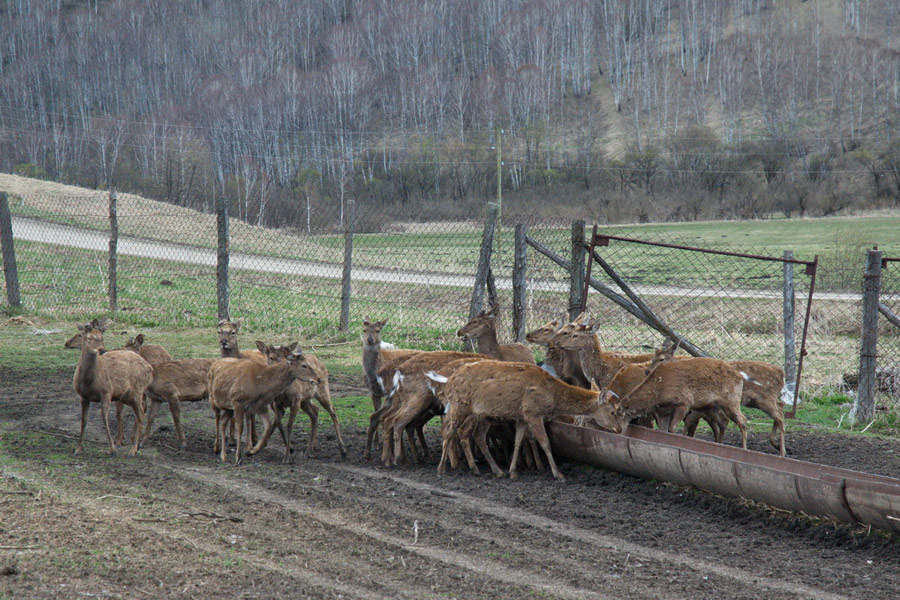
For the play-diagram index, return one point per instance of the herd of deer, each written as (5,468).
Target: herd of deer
(496,398)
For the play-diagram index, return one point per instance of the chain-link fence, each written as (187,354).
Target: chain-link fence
(416,269)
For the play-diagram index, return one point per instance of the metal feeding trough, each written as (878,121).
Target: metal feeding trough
(796,485)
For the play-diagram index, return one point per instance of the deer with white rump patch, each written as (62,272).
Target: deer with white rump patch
(526,394)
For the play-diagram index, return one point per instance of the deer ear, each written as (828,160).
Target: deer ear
(81,328)
(366,322)
(381,323)
(594,385)
(139,339)
(262,347)
(290,347)
(237,325)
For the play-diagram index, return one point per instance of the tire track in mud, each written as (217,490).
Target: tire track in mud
(340,520)
(597,540)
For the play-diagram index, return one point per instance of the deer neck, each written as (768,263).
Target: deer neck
(274,379)
(577,401)
(487,342)
(86,372)
(372,361)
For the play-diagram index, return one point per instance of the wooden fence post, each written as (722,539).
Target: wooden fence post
(222,256)
(113,251)
(484,264)
(346,281)
(520,266)
(577,279)
(10,271)
(790,348)
(868,352)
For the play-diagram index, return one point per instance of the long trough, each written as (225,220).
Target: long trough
(796,485)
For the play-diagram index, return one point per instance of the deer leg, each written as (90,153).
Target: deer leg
(325,400)
(517,447)
(481,439)
(175,409)
(267,432)
(120,423)
(536,425)
(690,423)
(313,413)
(85,405)
(138,408)
(733,412)
(268,427)
(465,440)
(372,430)
(678,415)
(217,412)
(238,419)
(536,456)
(151,416)
(448,431)
(104,412)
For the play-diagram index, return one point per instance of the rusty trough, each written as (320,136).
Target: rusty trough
(818,490)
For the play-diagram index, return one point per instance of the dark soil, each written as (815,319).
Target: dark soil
(180,524)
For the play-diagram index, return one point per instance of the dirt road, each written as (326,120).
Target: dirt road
(181,525)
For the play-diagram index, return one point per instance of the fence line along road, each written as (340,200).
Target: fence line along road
(33,230)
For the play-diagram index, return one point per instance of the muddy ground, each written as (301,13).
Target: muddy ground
(182,525)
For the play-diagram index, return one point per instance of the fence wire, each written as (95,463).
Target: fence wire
(415,268)
(888,373)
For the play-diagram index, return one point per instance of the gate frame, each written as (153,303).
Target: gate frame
(811,270)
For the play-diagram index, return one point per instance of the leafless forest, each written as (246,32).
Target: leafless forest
(617,109)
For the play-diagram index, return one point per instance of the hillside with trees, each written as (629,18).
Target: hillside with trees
(620,110)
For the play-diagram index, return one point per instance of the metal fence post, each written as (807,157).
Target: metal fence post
(868,353)
(348,267)
(11,273)
(577,279)
(518,282)
(113,251)
(790,347)
(222,256)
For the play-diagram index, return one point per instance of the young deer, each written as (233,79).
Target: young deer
(376,356)
(228,344)
(564,364)
(175,382)
(483,328)
(242,388)
(412,400)
(523,393)
(118,376)
(298,396)
(763,392)
(152,353)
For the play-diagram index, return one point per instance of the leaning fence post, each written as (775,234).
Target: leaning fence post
(113,251)
(348,266)
(222,291)
(868,353)
(577,279)
(518,282)
(484,263)
(10,271)
(790,348)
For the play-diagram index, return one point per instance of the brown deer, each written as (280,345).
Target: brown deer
(523,393)
(410,398)
(298,396)
(762,392)
(242,388)
(564,364)
(118,376)
(228,344)
(152,353)
(483,328)
(375,356)
(174,382)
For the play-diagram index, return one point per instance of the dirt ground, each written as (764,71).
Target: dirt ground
(182,525)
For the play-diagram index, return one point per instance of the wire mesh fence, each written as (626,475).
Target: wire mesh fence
(416,269)
(889,329)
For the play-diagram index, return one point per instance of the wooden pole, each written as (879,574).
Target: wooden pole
(484,264)
(577,278)
(344,324)
(518,281)
(868,353)
(222,258)
(10,271)
(790,347)
(113,251)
